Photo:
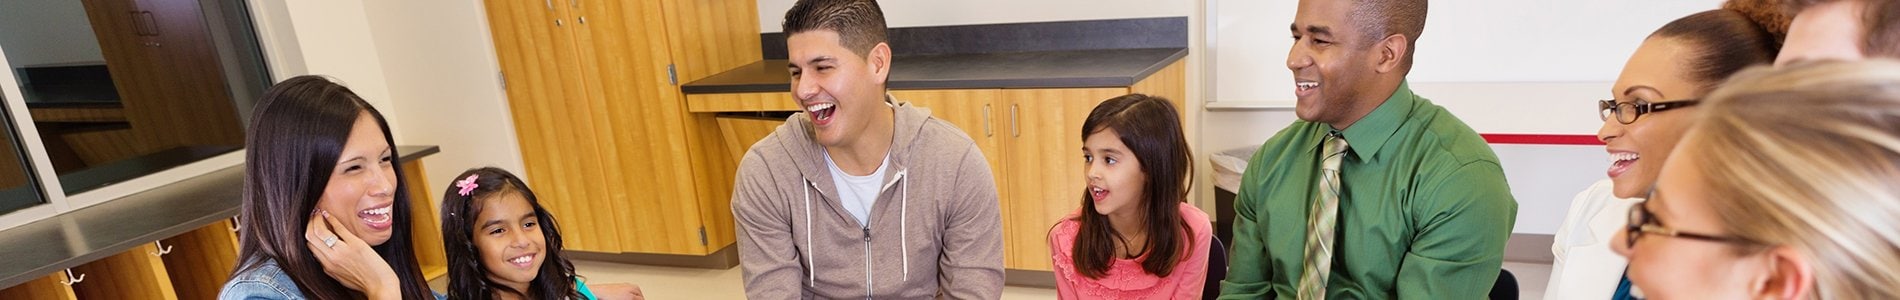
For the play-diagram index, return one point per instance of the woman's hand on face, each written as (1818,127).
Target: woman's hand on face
(617,291)
(349,259)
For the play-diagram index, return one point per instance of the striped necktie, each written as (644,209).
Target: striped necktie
(1321,221)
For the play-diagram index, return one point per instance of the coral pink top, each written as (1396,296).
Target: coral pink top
(1125,278)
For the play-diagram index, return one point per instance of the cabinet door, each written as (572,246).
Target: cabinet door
(547,97)
(45,288)
(201,260)
(1044,159)
(641,121)
(189,105)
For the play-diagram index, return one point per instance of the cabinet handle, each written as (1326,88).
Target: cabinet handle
(70,280)
(989,129)
(1015,129)
(151,22)
(162,248)
(583,20)
(557,22)
(138,28)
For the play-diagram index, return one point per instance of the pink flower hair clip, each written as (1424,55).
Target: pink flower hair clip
(467,185)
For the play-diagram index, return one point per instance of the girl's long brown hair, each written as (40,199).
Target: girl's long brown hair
(1151,128)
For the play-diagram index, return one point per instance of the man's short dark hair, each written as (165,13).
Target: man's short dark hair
(1381,18)
(859,23)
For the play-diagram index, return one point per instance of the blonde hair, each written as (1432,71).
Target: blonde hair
(1808,156)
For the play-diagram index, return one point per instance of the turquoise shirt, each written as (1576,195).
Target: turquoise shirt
(1424,211)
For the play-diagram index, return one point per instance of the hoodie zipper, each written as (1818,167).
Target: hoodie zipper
(868,287)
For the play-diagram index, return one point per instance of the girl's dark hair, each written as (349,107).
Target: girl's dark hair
(1151,128)
(298,130)
(467,278)
(1726,41)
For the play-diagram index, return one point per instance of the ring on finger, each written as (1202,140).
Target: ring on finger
(329,241)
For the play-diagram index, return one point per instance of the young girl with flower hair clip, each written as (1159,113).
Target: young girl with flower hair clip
(502,244)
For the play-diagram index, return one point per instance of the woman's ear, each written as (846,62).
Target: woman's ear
(1790,275)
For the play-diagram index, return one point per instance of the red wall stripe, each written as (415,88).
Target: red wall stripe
(1541,139)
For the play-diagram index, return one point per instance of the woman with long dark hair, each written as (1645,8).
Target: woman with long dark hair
(325,215)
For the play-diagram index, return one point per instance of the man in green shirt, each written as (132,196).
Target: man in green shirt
(1375,193)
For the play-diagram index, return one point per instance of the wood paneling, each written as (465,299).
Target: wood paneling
(77,114)
(618,156)
(1044,146)
(544,83)
(711,36)
(201,260)
(45,288)
(135,274)
(1171,83)
(636,113)
(740,133)
(707,37)
(741,102)
(425,224)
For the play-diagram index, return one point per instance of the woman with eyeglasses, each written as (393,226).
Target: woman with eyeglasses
(1679,63)
(1788,187)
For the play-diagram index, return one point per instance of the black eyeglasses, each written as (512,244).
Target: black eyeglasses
(1627,112)
(1643,222)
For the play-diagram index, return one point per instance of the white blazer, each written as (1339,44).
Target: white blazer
(1585,267)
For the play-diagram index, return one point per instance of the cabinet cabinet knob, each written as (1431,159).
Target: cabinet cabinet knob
(583,19)
(557,22)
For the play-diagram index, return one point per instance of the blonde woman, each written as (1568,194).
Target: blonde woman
(1785,188)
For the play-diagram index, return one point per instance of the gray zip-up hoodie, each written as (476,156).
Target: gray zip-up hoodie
(934,232)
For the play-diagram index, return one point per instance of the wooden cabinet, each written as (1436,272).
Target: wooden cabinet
(166,69)
(603,129)
(1031,137)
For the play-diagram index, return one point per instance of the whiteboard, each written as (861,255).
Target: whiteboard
(1497,42)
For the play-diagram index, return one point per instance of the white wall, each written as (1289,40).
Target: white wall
(444,80)
(915,13)
(429,66)
(41,32)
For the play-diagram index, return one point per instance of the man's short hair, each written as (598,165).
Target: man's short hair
(859,23)
(1381,18)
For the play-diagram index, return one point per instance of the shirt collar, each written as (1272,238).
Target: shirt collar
(1366,136)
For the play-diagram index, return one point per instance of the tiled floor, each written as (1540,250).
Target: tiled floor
(688,283)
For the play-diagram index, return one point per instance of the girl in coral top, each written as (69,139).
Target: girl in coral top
(1133,238)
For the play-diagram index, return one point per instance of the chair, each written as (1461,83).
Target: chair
(1506,287)
(1216,269)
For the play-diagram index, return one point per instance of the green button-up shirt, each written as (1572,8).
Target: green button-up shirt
(1424,211)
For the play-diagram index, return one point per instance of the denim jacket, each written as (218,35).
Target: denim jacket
(267,282)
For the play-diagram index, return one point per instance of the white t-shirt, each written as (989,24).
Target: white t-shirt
(858,193)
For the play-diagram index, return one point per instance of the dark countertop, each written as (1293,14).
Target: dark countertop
(40,248)
(1047,69)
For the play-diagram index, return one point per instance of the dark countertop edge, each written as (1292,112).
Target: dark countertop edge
(232,173)
(1008,83)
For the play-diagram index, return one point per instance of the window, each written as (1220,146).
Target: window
(118,89)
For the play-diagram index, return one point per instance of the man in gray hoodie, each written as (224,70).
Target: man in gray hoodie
(861,195)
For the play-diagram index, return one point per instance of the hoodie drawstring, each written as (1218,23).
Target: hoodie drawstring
(903,223)
(811,267)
